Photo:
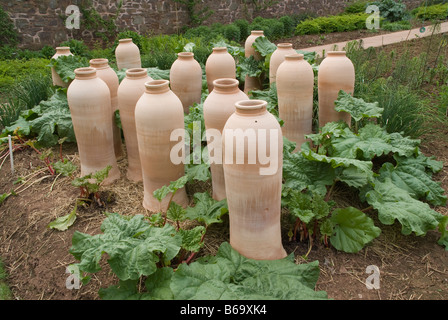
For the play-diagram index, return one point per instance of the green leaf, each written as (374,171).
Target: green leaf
(372,141)
(158,284)
(249,67)
(63,223)
(352,230)
(198,172)
(230,276)
(54,121)
(132,245)
(394,203)
(161,193)
(206,209)
(300,173)
(362,166)
(192,239)
(264,46)
(65,66)
(309,56)
(357,108)
(414,180)
(176,212)
(125,290)
(443,225)
(20,126)
(5,196)
(66,167)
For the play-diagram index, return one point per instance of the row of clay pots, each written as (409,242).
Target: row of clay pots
(253,199)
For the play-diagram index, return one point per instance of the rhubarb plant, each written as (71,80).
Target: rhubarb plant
(387,171)
(140,252)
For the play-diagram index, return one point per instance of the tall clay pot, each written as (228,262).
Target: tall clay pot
(277,57)
(254,181)
(158,114)
(252,83)
(218,107)
(336,72)
(127,54)
(108,75)
(220,64)
(129,92)
(295,86)
(186,79)
(89,101)
(60,51)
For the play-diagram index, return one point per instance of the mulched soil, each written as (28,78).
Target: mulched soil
(36,257)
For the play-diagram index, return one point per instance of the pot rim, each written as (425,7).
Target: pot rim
(99,63)
(136,73)
(250,105)
(157,86)
(85,73)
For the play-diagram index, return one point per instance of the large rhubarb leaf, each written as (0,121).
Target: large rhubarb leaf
(206,209)
(264,46)
(352,230)
(394,203)
(300,173)
(230,276)
(414,180)
(133,246)
(372,141)
(65,66)
(357,108)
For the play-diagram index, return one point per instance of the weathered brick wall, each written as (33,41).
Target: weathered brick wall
(41,22)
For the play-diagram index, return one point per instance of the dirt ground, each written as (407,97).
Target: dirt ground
(36,257)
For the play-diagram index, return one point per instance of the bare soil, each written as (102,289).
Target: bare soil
(36,257)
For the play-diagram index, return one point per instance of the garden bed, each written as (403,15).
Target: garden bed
(36,257)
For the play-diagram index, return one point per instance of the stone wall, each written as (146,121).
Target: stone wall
(42,22)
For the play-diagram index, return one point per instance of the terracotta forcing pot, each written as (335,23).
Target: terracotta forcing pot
(336,72)
(130,90)
(89,101)
(295,86)
(254,180)
(127,54)
(220,64)
(277,57)
(218,107)
(252,83)
(60,51)
(108,75)
(158,114)
(186,79)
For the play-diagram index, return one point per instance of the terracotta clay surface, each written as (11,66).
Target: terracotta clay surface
(60,51)
(277,57)
(89,101)
(254,183)
(186,79)
(218,107)
(127,54)
(336,72)
(220,64)
(129,92)
(158,114)
(295,89)
(108,75)
(252,83)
